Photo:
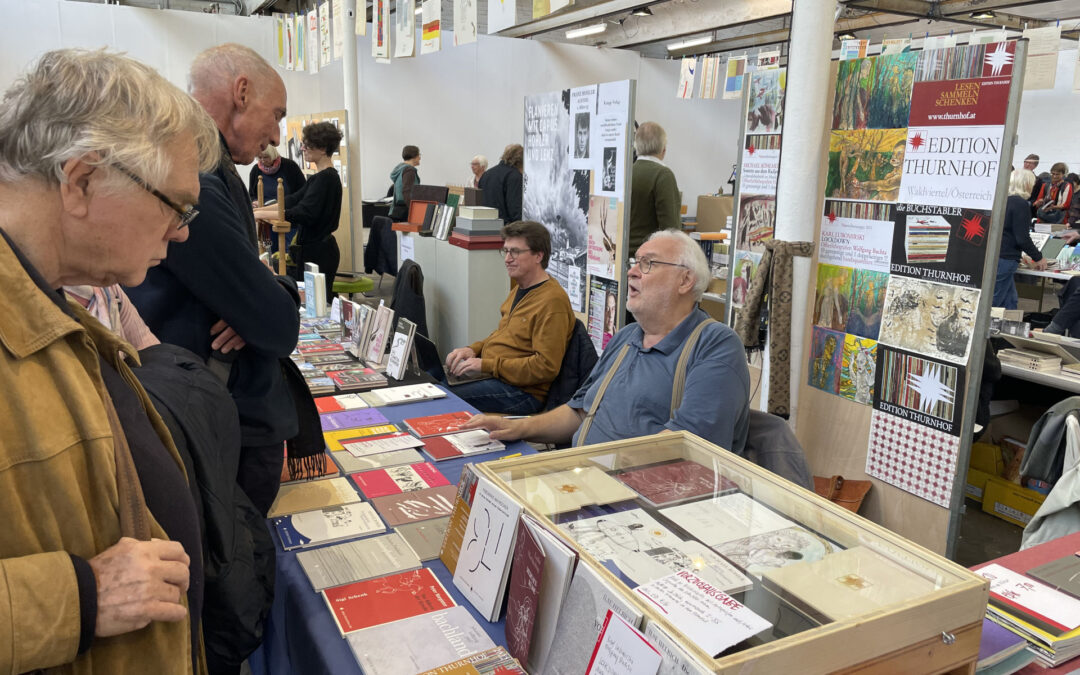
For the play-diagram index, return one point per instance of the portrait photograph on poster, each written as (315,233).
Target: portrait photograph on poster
(603,310)
(826,360)
(833,298)
(940,243)
(867,302)
(866,164)
(929,318)
(919,389)
(857,369)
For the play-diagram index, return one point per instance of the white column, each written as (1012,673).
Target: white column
(797,207)
(351,75)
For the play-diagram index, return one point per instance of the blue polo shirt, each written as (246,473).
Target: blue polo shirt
(715,401)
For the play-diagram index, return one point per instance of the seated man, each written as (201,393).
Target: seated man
(666,281)
(523,355)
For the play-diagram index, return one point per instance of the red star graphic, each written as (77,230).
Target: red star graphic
(916,141)
(751,149)
(973,227)
(832,217)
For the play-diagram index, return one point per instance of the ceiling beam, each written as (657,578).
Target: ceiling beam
(572,15)
(956,11)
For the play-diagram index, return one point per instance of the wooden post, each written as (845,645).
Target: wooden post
(281,226)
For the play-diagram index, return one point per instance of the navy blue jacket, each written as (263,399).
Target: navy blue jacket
(216,274)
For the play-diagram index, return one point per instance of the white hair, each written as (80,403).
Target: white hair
(482,160)
(690,256)
(108,109)
(218,67)
(1021,182)
(650,139)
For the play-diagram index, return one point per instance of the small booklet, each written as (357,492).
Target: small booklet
(377,601)
(433,639)
(437,425)
(406,393)
(331,404)
(327,525)
(398,479)
(357,560)
(351,464)
(311,495)
(352,419)
(399,440)
(449,446)
(411,507)
(425,536)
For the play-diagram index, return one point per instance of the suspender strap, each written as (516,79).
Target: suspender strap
(679,382)
(587,423)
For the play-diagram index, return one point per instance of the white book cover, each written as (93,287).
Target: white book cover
(399,349)
(365,314)
(623,650)
(555,579)
(357,560)
(418,643)
(350,464)
(406,393)
(389,443)
(580,619)
(328,524)
(350,401)
(712,619)
(487,549)
(725,518)
(384,316)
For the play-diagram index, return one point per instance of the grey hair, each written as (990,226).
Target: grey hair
(1021,182)
(105,107)
(480,158)
(219,66)
(690,256)
(270,152)
(650,139)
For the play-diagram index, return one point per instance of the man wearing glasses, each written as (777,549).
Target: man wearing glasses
(522,356)
(637,369)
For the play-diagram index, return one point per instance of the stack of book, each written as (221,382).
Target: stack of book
(477,228)
(1030,360)
(357,378)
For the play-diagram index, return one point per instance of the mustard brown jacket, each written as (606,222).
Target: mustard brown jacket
(67,486)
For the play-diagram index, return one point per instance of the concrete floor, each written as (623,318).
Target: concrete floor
(984,537)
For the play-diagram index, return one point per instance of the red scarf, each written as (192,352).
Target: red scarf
(271,169)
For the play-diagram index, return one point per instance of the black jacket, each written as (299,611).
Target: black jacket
(502,189)
(578,361)
(291,174)
(408,298)
(1016,231)
(380,253)
(316,207)
(238,554)
(216,274)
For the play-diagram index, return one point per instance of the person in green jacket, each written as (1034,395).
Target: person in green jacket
(404,176)
(655,201)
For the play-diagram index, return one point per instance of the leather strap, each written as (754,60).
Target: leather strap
(678,385)
(587,423)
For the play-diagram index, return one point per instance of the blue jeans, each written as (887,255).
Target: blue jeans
(496,396)
(1005,294)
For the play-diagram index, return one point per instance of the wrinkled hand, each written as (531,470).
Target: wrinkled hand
(467,367)
(459,354)
(500,428)
(226,338)
(139,582)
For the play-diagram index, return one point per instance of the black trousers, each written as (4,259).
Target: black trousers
(259,474)
(326,255)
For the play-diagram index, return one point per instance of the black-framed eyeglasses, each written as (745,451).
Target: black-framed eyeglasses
(646,264)
(514,252)
(186,214)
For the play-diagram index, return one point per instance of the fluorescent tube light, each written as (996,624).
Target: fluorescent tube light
(594,29)
(689,43)
(642,11)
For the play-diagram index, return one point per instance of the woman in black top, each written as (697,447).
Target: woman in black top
(1015,238)
(268,168)
(316,207)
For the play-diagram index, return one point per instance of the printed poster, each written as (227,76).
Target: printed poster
(966,62)
(300,43)
(582,111)
(338,15)
(605,214)
(313,37)
(687,68)
(895,46)
(968,102)
(951,166)
(826,360)
(768,60)
(464,22)
(609,137)
(603,310)
(987,37)
(757,191)
(917,459)
(501,14)
(746,264)
(875,92)
(866,303)
(710,77)
(833,298)
(554,194)
(736,68)
(935,42)
(854,242)
(290,43)
(919,389)
(857,368)
(431,26)
(279,37)
(760,168)
(765,111)
(940,243)
(1040,70)
(325,44)
(853,49)
(757,221)
(866,164)
(928,318)
(404,28)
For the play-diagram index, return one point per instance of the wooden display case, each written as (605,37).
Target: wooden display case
(926,618)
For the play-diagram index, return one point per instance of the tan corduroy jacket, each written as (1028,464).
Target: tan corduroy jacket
(67,485)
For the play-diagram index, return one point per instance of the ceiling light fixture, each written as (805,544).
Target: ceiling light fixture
(419,10)
(846,36)
(984,14)
(689,43)
(594,29)
(642,11)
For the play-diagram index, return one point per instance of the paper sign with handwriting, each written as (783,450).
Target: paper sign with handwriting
(622,650)
(711,618)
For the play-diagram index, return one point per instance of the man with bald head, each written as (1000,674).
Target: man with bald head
(213,296)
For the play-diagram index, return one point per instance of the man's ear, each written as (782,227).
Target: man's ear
(79,186)
(241,93)
(686,284)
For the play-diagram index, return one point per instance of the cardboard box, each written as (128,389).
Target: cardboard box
(1009,501)
(987,458)
(976,484)
(713,212)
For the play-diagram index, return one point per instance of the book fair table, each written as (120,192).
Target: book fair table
(300,634)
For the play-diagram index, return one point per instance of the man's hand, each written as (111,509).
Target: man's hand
(1070,236)
(1039,264)
(459,354)
(139,582)
(466,367)
(226,338)
(500,428)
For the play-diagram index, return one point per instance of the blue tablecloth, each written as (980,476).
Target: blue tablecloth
(301,636)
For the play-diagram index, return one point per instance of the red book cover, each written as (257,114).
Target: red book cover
(390,598)
(438,448)
(1022,561)
(436,425)
(328,404)
(678,481)
(320,347)
(524,592)
(395,480)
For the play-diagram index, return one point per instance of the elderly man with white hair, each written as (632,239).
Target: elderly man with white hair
(655,201)
(631,390)
(100,553)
